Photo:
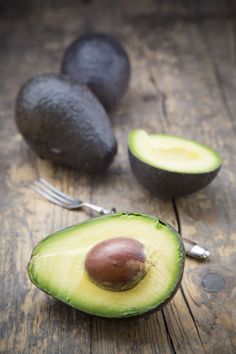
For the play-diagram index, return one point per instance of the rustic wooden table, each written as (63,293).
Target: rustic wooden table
(183,82)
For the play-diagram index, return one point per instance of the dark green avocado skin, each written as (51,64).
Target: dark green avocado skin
(63,121)
(166,184)
(99,61)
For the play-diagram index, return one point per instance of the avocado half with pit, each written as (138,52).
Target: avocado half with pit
(118,265)
(170,166)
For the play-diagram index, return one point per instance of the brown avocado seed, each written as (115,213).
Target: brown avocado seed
(116,264)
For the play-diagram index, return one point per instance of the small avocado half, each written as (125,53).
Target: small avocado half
(64,122)
(99,61)
(170,166)
(118,265)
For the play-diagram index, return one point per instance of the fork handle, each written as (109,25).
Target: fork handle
(194,250)
(99,210)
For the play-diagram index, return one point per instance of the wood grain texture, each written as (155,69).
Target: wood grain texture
(183,82)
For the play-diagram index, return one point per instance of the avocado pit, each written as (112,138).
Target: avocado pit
(116,264)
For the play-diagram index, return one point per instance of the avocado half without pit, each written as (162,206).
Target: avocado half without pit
(117,265)
(170,166)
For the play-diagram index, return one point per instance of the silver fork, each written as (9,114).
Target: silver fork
(54,195)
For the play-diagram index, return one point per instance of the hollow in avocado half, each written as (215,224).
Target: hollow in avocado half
(170,166)
(118,265)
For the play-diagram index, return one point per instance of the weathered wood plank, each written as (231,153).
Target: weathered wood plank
(130,336)
(198,82)
(33,322)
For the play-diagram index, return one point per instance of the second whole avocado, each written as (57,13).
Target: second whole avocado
(63,121)
(99,61)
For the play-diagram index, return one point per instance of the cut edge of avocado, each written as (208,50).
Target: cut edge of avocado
(150,143)
(39,256)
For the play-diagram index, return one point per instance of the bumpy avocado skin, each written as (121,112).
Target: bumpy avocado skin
(166,184)
(63,121)
(99,61)
(115,215)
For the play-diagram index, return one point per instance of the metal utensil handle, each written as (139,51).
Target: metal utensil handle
(194,250)
(98,209)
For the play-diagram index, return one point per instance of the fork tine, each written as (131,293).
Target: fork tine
(57,191)
(48,197)
(51,193)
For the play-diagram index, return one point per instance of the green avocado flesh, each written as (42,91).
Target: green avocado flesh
(57,265)
(172,153)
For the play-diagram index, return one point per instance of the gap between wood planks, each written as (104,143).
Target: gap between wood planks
(178,220)
(170,341)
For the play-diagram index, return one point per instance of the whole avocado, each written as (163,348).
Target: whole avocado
(63,121)
(99,61)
